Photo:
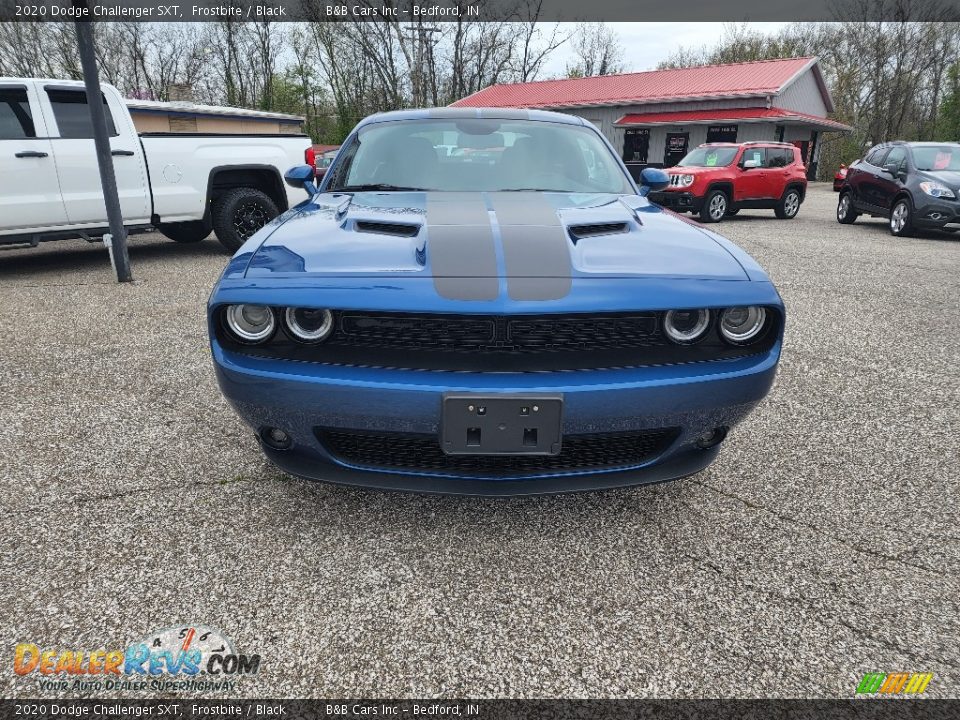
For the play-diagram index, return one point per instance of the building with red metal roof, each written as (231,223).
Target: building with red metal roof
(653,118)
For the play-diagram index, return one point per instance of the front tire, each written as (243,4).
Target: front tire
(901,218)
(732,211)
(239,213)
(846,215)
(185,232)
(714,207)
(789,205)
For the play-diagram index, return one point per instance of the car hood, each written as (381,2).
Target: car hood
(947,177)
(462,238)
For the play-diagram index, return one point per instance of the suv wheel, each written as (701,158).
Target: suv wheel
(901,218)
(789,205)
(239,213)
(714,206)
(845,212)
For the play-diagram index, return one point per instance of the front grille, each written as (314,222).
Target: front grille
(500,343)
(422,453)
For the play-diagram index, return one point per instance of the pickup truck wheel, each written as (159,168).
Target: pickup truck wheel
(714,206)
(185,232)
(239,213)
(789,205)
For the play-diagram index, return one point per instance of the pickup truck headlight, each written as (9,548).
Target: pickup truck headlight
(937,190)
(250,323)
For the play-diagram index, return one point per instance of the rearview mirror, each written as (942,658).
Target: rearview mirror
(653,179)
(301,176)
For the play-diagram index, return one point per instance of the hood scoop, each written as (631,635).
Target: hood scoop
(387,228)
(579,232)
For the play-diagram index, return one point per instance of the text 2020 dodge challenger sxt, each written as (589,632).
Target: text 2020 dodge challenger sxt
(481,301)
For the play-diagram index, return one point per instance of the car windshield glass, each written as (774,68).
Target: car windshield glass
(709,157)
(479,154)
(937,157)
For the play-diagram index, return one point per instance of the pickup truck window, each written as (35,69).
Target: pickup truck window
(73,116)
(16,121)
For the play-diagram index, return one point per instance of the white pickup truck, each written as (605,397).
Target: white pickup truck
(184,185)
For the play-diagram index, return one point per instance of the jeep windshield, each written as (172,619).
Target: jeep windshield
(709,157)
(931,158)
(478,154)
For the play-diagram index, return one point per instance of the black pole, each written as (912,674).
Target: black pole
(108,179)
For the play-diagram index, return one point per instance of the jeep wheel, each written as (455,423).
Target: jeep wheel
(789,205)
(845,212)
(239,213)
(714,206)
(732,211)
(185,232)
(901,218)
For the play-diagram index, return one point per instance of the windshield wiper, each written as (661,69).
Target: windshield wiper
(378,186)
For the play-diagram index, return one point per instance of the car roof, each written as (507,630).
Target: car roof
(472,113)
(915,143)
(750,143)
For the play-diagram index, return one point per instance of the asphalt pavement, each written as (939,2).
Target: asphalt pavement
(822,544)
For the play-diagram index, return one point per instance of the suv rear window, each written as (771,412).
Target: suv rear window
(779,157)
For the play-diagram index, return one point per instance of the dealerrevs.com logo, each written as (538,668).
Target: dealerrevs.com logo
(189,657)
(898,683)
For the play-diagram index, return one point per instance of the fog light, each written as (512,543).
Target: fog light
(712,438)
(275,438)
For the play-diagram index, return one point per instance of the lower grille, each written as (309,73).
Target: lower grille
(422,453)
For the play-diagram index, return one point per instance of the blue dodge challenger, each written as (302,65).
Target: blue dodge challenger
(483,302)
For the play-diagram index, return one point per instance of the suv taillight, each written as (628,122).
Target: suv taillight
(310,158)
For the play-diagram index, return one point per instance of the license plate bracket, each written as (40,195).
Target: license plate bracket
(475,424)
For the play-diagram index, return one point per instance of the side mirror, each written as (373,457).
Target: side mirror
(892,169)
(653,179)
(301,176)
(747,164)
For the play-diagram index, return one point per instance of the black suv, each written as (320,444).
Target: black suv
(914,184)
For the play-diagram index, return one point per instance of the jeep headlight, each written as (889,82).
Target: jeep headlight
(937,190)
(687,180)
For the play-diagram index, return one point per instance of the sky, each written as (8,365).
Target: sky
(646,44)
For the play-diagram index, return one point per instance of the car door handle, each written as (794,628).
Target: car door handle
(123,153)
(31,154)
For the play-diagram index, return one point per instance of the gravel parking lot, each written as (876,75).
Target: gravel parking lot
(822,544)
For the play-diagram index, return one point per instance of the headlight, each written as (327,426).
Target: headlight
(686,326)
(937,190)
(742,324)
(250,323)
(687,180)
(309,325)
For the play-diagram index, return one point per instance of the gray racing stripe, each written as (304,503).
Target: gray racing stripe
(460,247)
(536,250)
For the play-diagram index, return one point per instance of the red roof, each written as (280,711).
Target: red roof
(749,79)
(686,117)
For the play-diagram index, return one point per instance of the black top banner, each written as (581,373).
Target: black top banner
(452,11)
(185,709)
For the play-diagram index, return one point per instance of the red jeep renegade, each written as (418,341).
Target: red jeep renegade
(720,179)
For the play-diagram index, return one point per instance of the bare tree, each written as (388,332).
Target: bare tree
(598,51)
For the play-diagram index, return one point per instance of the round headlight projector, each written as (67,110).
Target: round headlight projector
(742,324)
(309,325)
(686,326)
(250,323)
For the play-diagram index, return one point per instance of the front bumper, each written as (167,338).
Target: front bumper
(303,398)
(676,200)
(935,213)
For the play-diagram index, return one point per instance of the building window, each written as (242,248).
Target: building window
(636,142)
(722,133)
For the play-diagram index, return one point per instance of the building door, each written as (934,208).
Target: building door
(722,133)
(676,148)
(636,142)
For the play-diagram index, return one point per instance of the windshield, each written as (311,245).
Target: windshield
(478,154)
(709,157)
(937,157)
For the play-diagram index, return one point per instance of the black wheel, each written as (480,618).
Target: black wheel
(789,205)
(185,232)
(845,212)
(901,218)
(714,206)
(239,213)
(732,211)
